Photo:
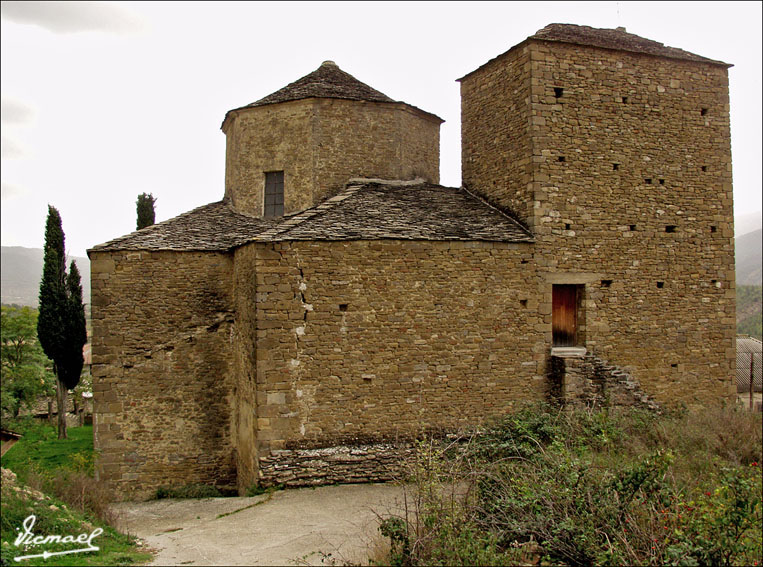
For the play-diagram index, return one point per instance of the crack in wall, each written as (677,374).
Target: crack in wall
(304,402)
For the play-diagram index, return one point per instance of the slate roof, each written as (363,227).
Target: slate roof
(618,39)
(212,227)
(614,39)
(327,81)
(421,211)
(365,210)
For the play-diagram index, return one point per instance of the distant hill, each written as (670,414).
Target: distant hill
(21,270)
(747,222)
(748,258)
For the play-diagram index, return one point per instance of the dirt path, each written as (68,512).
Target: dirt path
(292,527)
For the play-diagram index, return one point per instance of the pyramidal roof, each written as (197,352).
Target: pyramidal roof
(617,38)
(327,81)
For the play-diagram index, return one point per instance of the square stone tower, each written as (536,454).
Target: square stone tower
(615,151)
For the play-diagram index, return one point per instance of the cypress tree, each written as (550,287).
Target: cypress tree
(146,216)
(61,322)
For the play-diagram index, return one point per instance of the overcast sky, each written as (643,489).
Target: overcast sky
(103,101)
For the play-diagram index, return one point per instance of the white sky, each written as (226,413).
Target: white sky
(103,101)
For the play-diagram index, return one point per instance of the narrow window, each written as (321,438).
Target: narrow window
(558,92)
(615,166)
(567,226)
(704,168)
(703,112)
(632,227)
(625,99)
(343,306)
(660,285)
(273,194)
(648,180)
(713,228)
(662,182)
(523,302)
(670,228)
(561,158)
(606,283)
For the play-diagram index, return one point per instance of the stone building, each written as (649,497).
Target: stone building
(338,302)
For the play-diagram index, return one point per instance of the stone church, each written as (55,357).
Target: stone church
(338,302)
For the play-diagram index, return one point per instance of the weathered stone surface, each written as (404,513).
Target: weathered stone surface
(628,175)
(313,348)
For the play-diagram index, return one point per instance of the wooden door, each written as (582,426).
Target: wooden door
(564,314)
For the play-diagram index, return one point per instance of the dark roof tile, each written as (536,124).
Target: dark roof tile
(363,211)
(617,39)
(614,39)
(421,211)
(327,81)
(212,227)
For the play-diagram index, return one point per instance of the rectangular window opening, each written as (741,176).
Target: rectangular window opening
(558,92)
(625,99)
(703,112)
(523,302)
(273,194)
(606,283)
(704,168)
(713,229)
(648,180)
(632,227)
(343,306)
(615,166)
(670,228)
(662,182)
(660,285)
(561,158)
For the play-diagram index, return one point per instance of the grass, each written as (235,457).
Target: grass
(55,484)
(41,449)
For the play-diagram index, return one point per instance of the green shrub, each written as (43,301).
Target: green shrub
(588,488)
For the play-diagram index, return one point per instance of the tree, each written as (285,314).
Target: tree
(146,215)
(25,368)
(61,323)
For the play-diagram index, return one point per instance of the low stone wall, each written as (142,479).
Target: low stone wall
(378,462)
(591,381)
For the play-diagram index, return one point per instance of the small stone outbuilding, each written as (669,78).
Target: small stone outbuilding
(338,302)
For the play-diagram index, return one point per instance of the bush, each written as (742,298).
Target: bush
(583,488)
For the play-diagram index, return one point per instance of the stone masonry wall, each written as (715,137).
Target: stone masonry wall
(592,382)
(162,380)
(367,139)
(370,342)
(276,137)
(495,132)
(632,179)
(320,144)
(631,199)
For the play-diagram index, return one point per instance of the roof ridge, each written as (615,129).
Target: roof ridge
(499,210)
(307,214)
